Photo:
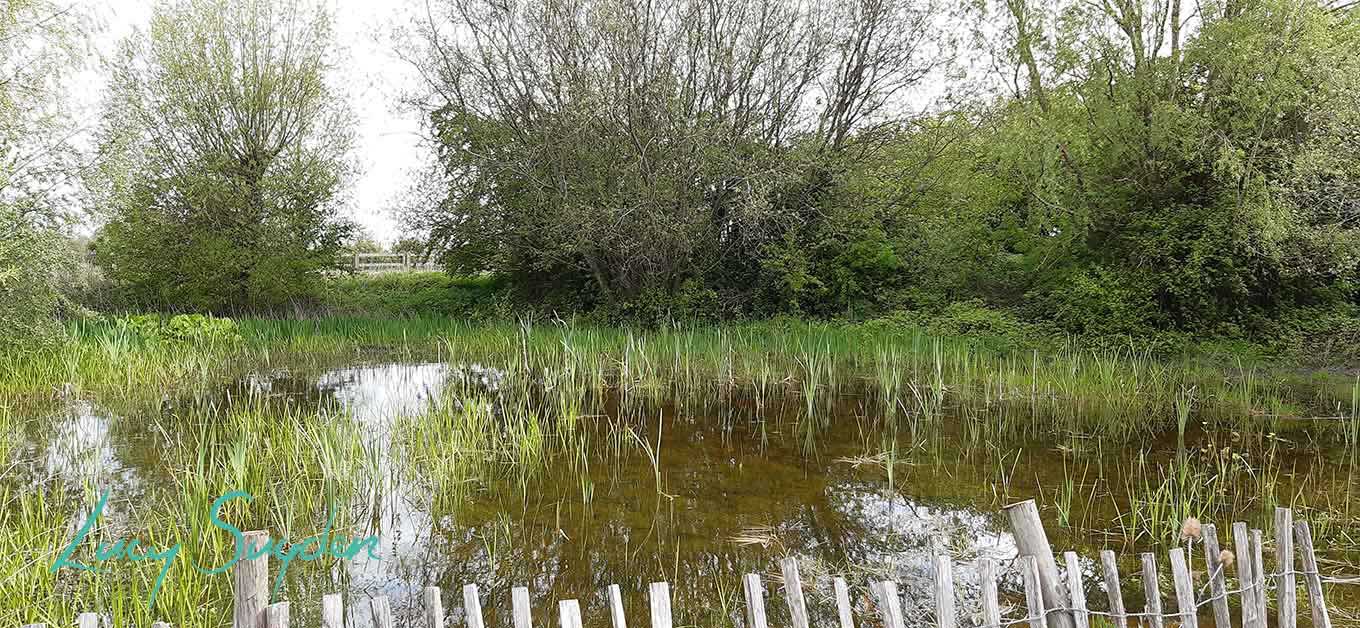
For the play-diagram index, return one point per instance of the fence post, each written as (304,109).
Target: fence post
(1154,592)
(847,619)
(570,611)
(1185,589)
(1288,606)
(944,592)
(1304,536)
(660,600)
(1075,591)
(793,593)
(888,604)
(1110,569)
(87,620)
(472,607)
(434,607)
(755,601)
(1034,597)
(251,577)
(276,615)
(382,612)
(1218,587)
(332,611)
(616,617)
(519,599)
(1031,540)
(991,605)
(1245,574)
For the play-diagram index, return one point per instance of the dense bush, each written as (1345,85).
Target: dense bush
(415,294)
(31,260)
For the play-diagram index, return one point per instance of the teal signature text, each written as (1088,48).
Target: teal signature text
(133,550)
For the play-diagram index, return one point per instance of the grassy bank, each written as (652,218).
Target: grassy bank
(908,373)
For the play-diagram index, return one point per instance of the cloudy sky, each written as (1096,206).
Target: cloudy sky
(389,145)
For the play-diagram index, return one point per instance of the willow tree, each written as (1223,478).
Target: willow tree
(224,155)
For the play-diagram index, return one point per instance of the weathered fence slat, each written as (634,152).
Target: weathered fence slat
(1031,540)
(1110,569)
(793,593)
(519,601)
(755,601)
(660,599)
(472,606)
(1245,575)
(382,612)
(1303,537)
(889,606)
(1287,606)
(159,624)
(1153,590)
(991,602)
(944,592)
(1218,587)
(1076,592)
(570,613)
(1185,589)
(34,626)
(276,615)
(87,620)
(251,577)
(332,611)
(843,612)
(434,607)
(1034,597)
(616,617)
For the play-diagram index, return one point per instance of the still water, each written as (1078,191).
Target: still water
(705,490)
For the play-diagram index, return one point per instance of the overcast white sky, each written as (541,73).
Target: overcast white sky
(389,140)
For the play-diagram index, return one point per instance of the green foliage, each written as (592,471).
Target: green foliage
(223,156)
(30,260)
(404,295)
(182,328)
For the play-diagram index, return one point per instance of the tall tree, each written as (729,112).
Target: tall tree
(225,153)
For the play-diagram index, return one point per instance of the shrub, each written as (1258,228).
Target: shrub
(30,260)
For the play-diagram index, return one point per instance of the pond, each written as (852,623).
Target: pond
(567,494)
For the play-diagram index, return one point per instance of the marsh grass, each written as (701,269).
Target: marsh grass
(527,399)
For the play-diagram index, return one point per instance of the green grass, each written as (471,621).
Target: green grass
(412,294)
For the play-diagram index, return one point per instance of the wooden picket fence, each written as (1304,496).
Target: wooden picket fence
(1051,600)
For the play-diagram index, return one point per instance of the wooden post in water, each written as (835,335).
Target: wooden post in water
(1245,575)
(660,599)
(843,612)
(1258,569)
(944,592)
(1110,570)
(434,607)
(793,593)
(616,617)
(1153,590)
(755,601)
(889,606)
(276,615)
(472,607)
(1287,605)
(519,600)
(1031,540)
(1034,596)
(991,602)
(570,611)
(1218,588)
(251,577)
(1185,589)
(382,612)
(1303,535)
(1075,591)
(332,611)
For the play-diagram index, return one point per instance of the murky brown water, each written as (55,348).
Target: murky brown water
(736,486)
